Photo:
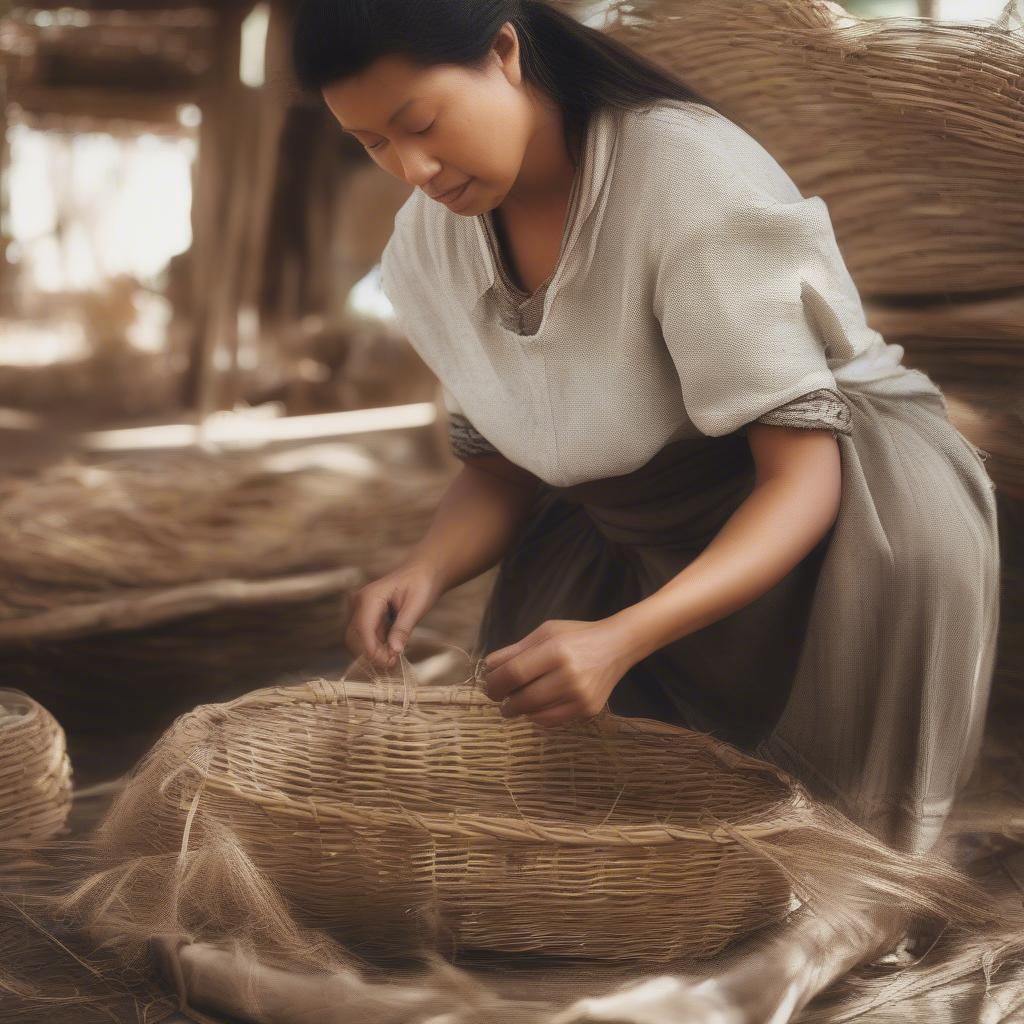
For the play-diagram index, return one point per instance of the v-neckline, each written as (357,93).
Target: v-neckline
(486,221)
(517,312)
(500,264)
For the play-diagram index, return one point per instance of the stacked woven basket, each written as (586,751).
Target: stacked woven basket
(35,772)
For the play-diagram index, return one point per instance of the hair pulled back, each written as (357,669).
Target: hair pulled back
(580,67)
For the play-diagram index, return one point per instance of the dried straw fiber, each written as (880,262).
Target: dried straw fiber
(133,589)
(414,822)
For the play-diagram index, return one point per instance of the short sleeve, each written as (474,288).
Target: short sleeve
(451,403)
(729,296)
(823,409)
(464,439)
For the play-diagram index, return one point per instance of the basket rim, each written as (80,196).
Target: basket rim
(792,811)
(322,691)
(20,710)
(455,825)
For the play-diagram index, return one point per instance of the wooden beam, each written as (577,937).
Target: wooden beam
(101,104)
(5,270)
(128,7)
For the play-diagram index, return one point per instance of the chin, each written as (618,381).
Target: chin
(473,209)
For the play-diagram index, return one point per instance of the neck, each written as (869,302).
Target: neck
(547,173)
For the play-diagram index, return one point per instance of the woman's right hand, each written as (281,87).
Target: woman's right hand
(411,590)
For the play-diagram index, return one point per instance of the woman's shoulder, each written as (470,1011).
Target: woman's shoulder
(681,132)
(694,154)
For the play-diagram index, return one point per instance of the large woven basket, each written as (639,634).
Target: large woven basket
(400,817)
(35,772)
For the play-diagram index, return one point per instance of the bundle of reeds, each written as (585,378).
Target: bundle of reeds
(132,589)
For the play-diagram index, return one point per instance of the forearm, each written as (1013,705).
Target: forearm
(476,522)
(770,533)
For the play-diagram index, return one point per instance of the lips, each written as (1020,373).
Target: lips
(451,192)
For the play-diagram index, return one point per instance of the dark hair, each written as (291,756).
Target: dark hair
(582,68)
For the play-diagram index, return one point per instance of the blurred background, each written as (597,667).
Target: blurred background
(182,233)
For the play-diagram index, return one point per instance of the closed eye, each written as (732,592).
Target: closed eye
(422,132)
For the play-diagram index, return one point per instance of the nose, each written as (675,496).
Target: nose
(419,168)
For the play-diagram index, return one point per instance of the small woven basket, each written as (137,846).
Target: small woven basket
(397,817)
(35,771)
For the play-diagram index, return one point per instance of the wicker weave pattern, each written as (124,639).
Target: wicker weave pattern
(398,818)
(35,772)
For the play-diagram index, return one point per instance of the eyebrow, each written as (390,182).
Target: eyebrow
(390,119)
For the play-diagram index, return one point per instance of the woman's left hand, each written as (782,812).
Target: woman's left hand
(563,671)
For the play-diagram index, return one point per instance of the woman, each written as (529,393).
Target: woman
(716,495)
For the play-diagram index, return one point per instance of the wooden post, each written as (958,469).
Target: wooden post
(5,276)
(216,211)
(264,144)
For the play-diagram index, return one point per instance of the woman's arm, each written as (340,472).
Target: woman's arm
(794,502)
(477,519)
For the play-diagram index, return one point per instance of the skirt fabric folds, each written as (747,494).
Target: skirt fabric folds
(865,672)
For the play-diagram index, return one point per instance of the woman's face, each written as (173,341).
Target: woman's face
(443,126)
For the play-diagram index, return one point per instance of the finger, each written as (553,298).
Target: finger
(369,627)
(529,665)
(503,655)
(565,713)
(543,692)
(410,608)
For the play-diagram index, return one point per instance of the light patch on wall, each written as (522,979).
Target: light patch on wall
(368,299)
(189,115)
(87,207)
(971,10)
(254,46)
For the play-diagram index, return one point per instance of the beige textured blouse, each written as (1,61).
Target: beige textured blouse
(696,290)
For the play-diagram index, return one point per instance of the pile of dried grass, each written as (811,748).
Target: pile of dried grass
(102,385)
(138,587)
(909,129)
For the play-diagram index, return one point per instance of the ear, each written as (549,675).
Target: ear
(507,50)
